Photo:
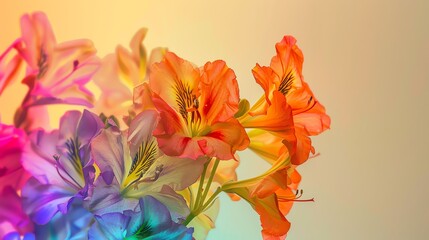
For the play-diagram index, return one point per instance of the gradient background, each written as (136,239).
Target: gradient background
(366,61)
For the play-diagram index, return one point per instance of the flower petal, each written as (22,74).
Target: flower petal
(172,78)
(273,223)
(108,153)
(219,92)
(42,201)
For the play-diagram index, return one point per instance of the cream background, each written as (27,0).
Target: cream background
(366,61)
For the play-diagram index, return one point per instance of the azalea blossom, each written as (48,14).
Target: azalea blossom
(197,108)
(132,166)
(61,165)
(151,221)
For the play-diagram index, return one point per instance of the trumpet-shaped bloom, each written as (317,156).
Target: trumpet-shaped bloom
(121,72)
(284,77)
(152,220)
(271,195)
(56,73)
(132,166)
(197,108)
(61,165)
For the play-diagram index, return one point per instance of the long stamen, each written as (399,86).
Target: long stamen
(297,197)
(143,160)
(286,83)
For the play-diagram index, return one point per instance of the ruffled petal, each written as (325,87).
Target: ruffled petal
(174,80)
(308,111)
(287,65)
(219,92)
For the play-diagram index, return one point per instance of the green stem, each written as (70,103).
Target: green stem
(200,203)
(209,183)
(189,218)
(212,197)
(200,185)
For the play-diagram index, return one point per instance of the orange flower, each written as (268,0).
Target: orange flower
(271,195)
(307,116)
(197,108)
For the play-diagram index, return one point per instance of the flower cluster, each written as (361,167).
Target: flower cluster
(147,158)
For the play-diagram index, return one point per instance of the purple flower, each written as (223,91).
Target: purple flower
(132,166)
(71,226)
(61,165)
(152,221)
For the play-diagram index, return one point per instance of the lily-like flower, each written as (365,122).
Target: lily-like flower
(271,195)
(121,72)
(132,166)
(152,220)
(61,165)
(197,108)
(284,77)
(55,72)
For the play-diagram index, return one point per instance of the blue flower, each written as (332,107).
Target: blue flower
(151,222)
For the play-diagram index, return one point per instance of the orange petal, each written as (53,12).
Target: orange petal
(278,119)
(274,224)
(303,146)
(308,111)
(287,65)
(175,80)
(219,92)
(265,77)
(266,145)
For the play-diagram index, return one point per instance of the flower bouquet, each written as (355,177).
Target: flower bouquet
(148,157)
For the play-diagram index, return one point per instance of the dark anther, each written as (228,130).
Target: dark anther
(75,64)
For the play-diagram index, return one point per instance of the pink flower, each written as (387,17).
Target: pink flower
(11,146)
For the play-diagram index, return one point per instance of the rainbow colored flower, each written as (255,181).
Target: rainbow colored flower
(148,157)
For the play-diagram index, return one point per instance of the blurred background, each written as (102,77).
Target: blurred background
(366,61)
